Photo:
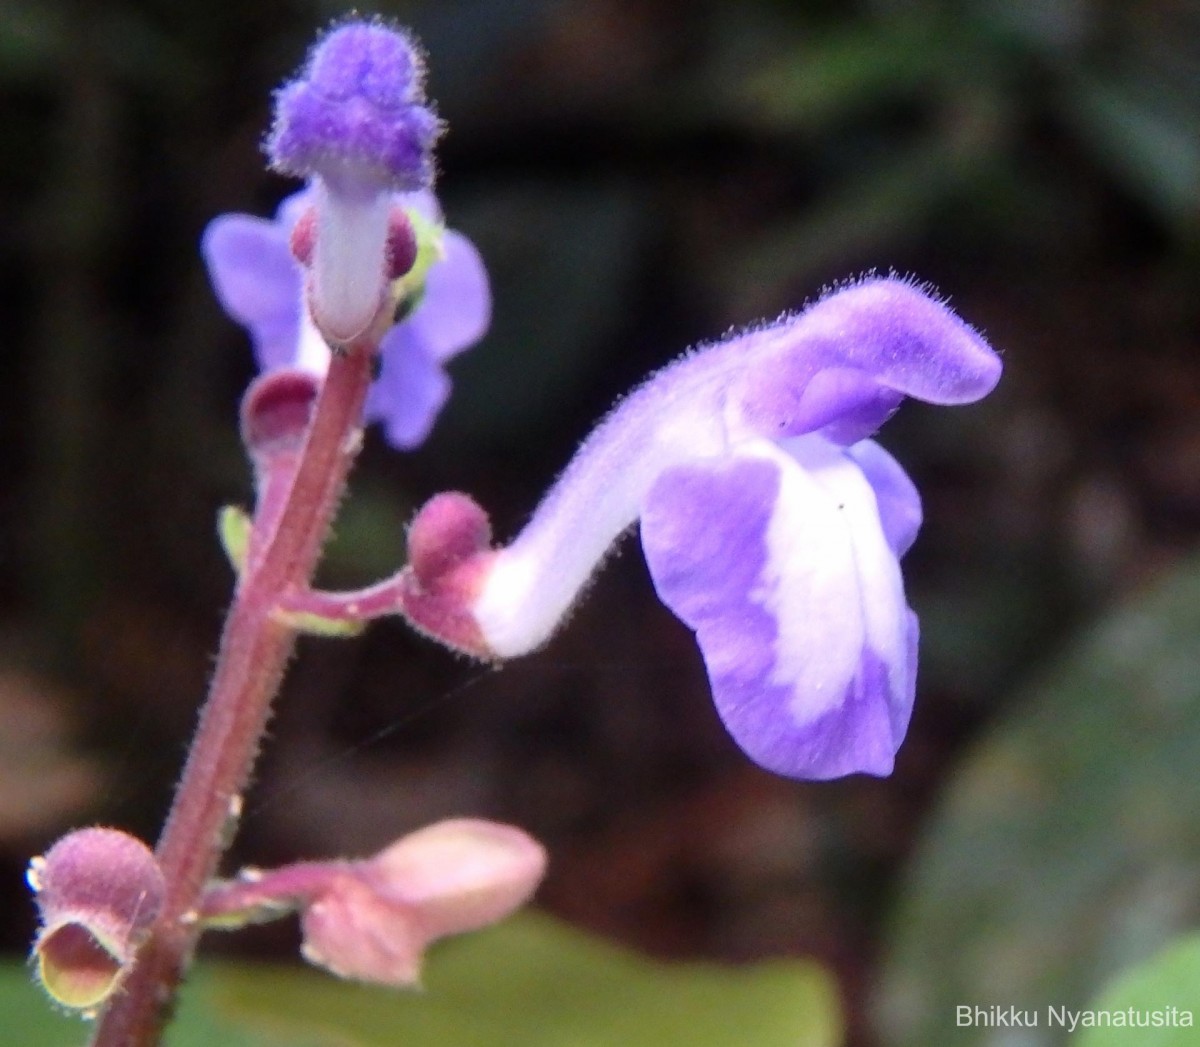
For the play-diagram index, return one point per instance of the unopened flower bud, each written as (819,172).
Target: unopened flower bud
(402,246)
(460,874)
(375,923)
(99,892)
(303,236)
(275,416)
(449,557)
(355,123)
(372,919)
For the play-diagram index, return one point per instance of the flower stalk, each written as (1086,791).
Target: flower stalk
(255,647)
(355,298)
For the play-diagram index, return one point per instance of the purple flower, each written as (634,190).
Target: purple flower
(261,286)
(771,525)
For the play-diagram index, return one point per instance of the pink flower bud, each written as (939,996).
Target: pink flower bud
(460,874)
(374,923)
(99,892)
(371,920)
(275,415)
(449,557)
(354,933)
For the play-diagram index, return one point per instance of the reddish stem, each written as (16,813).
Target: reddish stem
(382,598)
(254,651)
(290,886)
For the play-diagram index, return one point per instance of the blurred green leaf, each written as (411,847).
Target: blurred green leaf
(233,530)
(875,208)
(830,77)
(530,981)
(1068,846)
(1170,980)
(28,1017)
(534,981)
(40,42)
(368,537)
(31,40)
(1150,141)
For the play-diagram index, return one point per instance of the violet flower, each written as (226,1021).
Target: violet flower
(448,307)
(771,525)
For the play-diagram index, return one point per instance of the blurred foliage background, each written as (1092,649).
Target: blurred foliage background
(640,176)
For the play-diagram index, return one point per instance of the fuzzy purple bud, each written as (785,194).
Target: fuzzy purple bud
(359,103)
(99,892)
(355,123)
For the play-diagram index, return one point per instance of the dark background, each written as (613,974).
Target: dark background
(640,175)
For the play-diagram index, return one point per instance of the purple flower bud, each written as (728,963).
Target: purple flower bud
(447,566)
(358,107)
(99,892)
(355,123)
(771,525)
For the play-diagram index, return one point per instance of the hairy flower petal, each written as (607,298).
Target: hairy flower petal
(457,306)
(358,102)
(880,337)
(780,564)
(771,525)
(896,495)
(257,283)
(410,391)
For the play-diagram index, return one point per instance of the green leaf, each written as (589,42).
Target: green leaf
(28,1018)
(320,625)
(368,539)
(1170,980)
(1148,139)
(233,528)
(828,78)
(1067,846)
(32,39)
(409,289)
(888,203)
(531,981)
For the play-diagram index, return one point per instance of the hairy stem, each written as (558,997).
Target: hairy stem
(254,651)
